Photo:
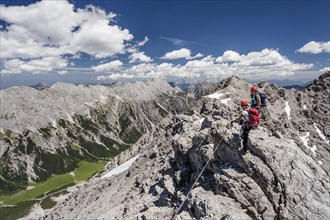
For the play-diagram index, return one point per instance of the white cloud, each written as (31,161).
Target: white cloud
(55,28)
(179,54)
(36,19)
(34,66)
(197,56)
(325,69)
(115,76)
(142,43)
(63,72)
(265,64)
(229,56)
(315,47)
(261,58)
(176,41)
(49,35)
(208,58)
(108,66)
(13,47)
(100,40)
(180,42)
(139,57)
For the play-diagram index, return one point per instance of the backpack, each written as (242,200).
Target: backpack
(254,119)
(263,100)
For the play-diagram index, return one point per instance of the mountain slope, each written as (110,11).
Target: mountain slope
(282,177)
(46,132)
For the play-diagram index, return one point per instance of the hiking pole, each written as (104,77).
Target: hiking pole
(200,174)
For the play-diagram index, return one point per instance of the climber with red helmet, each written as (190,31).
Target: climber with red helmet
(244,117)
(255,98)
(243,120)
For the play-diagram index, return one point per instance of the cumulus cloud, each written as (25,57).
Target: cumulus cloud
(34,66)
(139,57)
(262,58)
(179,54)
(116,76)
(108,66)
(229,56)
(63,72)
(56,28)
(325,69)
(50,36)
(267,63)
(100,40)
(315,47)
(263,64)
(208,58)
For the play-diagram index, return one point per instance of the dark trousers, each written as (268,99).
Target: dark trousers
(246,131)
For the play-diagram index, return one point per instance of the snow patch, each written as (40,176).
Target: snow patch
(120,168)
(305,107)
(320,133)
(320,162)
(287,109)
(225,101)
(313,149)
(199,122)
(305,139)
(216,95)
(72,173)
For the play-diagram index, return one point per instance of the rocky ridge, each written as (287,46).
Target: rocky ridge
(285,175)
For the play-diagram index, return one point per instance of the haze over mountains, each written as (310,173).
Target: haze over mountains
(171,134)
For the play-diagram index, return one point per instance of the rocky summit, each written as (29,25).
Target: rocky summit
(191,164)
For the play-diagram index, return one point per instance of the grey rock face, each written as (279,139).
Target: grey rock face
(28,108)
(278,178)
(202,89)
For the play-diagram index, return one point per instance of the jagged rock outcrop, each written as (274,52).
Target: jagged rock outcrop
(65,123)
(202,89)
(282,176)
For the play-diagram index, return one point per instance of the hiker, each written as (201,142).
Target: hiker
(244,120)
(255,99)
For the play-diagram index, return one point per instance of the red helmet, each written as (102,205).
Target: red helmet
(254,89)
(244,103)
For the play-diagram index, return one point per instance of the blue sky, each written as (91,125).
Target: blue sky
(104,41)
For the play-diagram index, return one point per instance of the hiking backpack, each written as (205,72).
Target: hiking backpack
(254,119)
(263,99)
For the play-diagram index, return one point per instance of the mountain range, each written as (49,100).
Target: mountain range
(174,154)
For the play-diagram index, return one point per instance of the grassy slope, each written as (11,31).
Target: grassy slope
(83,172)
